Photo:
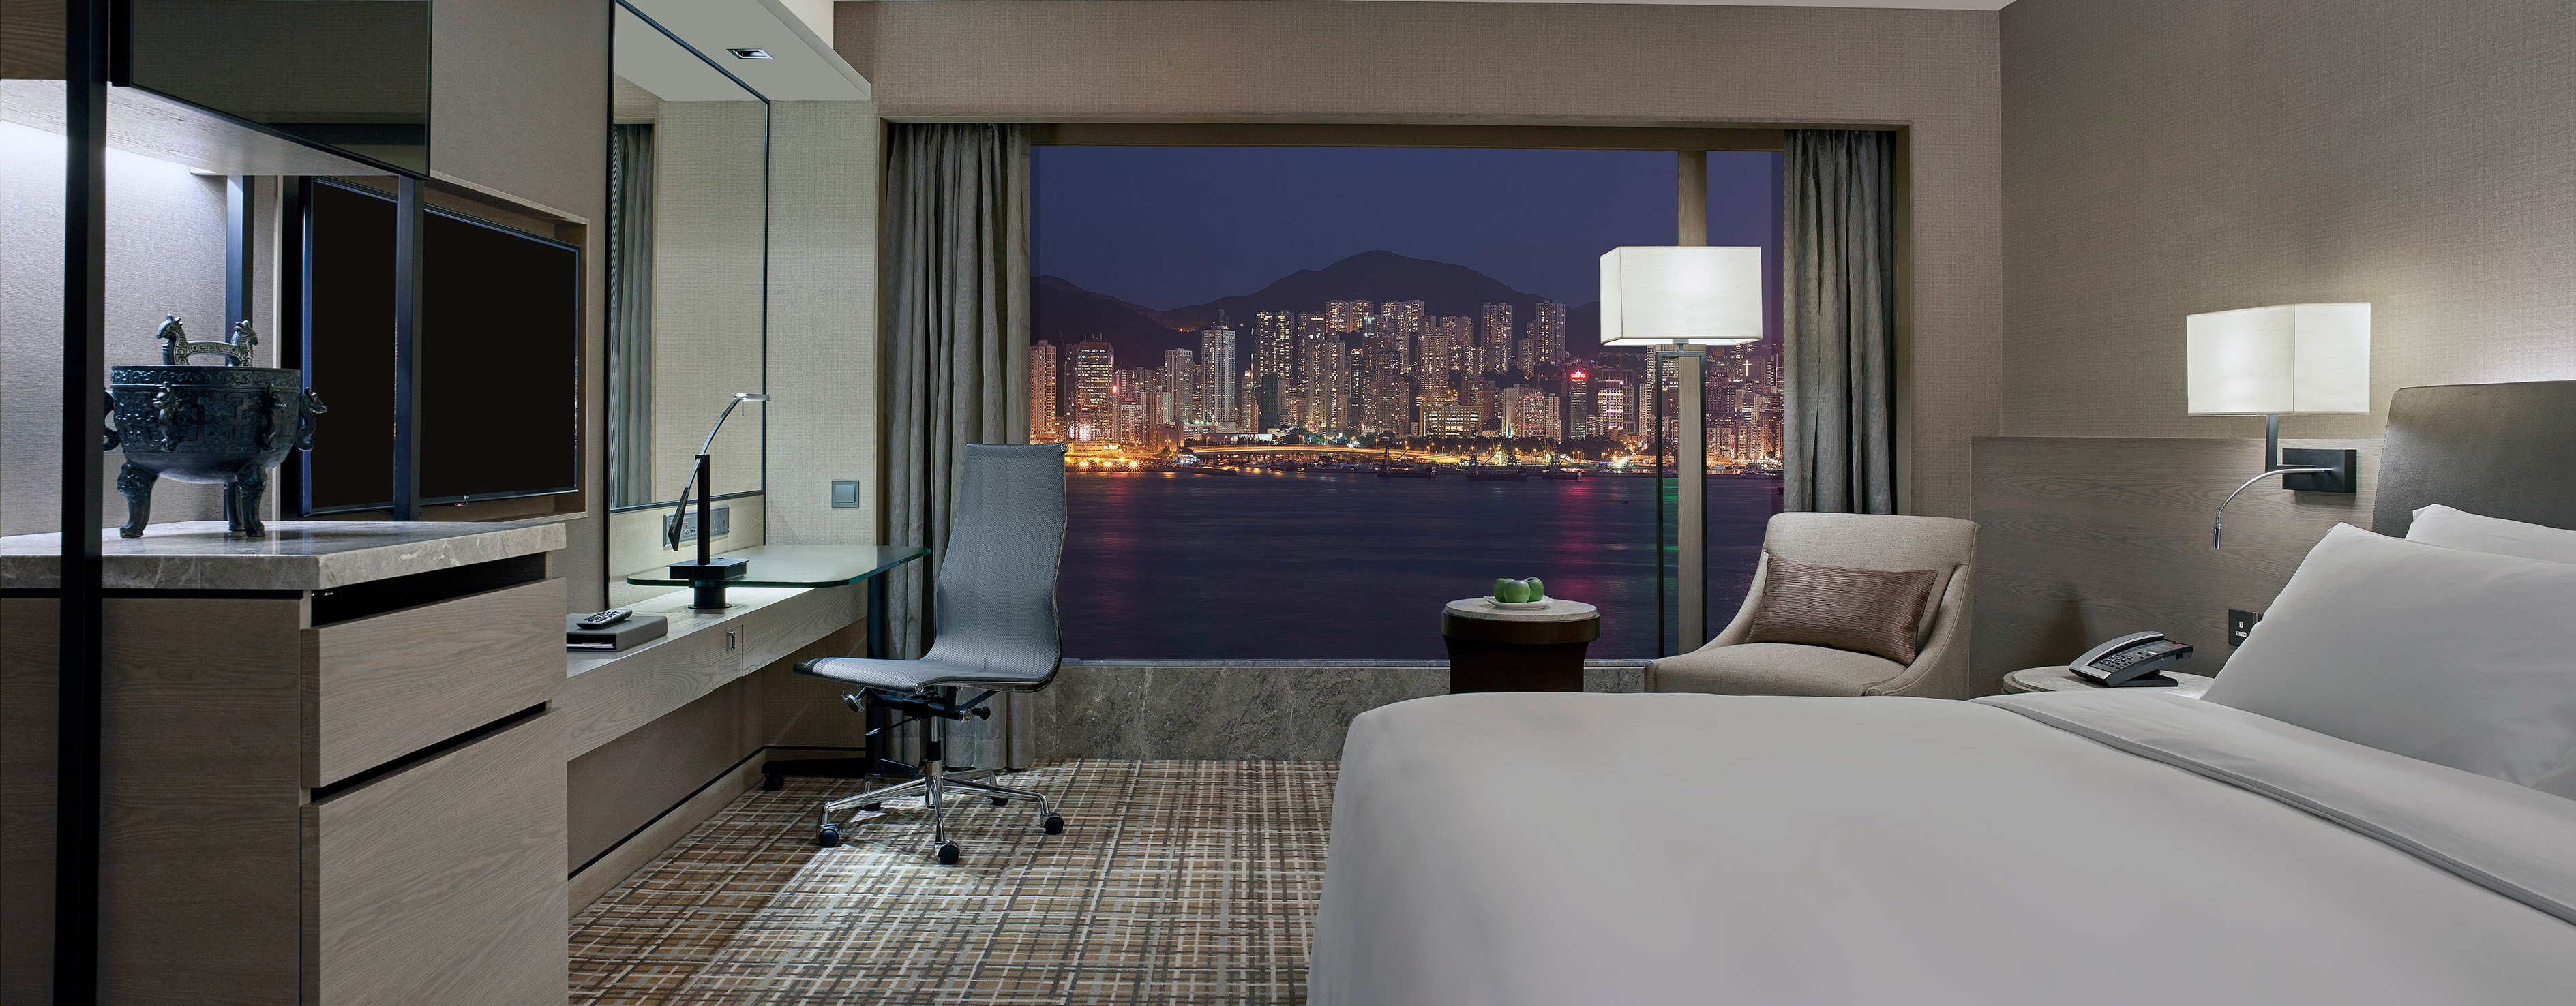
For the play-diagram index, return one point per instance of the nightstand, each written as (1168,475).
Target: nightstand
(2059,679)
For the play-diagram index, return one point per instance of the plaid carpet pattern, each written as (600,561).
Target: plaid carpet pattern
(1187,882)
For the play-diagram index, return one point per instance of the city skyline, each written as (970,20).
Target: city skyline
(1388,373)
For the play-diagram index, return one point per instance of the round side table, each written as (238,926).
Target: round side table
(1495,649)
(2059,679)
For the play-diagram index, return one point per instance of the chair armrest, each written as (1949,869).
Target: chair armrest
(1940,671)
(1736,629)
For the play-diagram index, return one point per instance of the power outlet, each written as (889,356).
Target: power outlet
(2241,624)
(721,517)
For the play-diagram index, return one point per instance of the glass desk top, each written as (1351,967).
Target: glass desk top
(804,565)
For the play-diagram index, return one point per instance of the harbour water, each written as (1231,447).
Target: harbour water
(1348,565)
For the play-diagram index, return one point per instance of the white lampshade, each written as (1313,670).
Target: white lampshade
(2269,361)
(1681,294)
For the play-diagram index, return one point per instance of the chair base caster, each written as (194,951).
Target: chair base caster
(1054,824)
(948,854)
(827,837)
(997,801)
(872,806)
(773,783)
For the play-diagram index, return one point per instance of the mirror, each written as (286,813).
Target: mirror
(351,76)
(687,258)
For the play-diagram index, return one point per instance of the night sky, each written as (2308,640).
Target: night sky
(1166,227)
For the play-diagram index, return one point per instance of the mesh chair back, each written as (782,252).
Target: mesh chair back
(996,600)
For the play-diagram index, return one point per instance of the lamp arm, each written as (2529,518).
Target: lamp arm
(2216,523)
(680,510)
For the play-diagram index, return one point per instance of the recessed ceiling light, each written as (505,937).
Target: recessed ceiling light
(749,53)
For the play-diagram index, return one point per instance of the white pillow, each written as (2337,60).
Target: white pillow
(2449,528)
(2459,658)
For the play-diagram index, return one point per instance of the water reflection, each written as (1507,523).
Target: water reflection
(1159,565)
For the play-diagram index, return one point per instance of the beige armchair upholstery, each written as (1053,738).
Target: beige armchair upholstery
(1946,545)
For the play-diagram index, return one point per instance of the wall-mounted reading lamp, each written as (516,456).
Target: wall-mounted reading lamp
(2274,361)
(707,575)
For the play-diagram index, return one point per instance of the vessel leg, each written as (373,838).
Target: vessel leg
(246,489)
(135,483)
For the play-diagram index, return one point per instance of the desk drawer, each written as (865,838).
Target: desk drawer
(443,882)
(386,686)
(606,701)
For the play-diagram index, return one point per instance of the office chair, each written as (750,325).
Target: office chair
(997,631)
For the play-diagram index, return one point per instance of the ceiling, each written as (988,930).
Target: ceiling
(801,67)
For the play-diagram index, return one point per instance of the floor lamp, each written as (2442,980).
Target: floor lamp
(1674,300)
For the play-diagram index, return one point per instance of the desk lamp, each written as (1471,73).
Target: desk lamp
(2274,361)
(707,576)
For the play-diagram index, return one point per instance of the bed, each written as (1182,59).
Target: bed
(2045,848)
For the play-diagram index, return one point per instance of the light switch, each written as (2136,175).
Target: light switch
(845,493)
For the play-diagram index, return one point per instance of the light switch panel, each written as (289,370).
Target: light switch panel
(845,493)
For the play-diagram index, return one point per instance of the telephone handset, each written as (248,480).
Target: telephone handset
(2131,661)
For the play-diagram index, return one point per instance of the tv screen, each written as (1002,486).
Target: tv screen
(500,364)
(497,396)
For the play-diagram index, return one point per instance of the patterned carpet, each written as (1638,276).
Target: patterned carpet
(1174,882)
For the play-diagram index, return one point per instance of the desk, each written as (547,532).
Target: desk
(817,566)
(824,566)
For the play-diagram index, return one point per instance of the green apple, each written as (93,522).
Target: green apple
(1537,590)
(1503,588)
(1510,591)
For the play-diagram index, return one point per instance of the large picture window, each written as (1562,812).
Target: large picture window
(1315,392)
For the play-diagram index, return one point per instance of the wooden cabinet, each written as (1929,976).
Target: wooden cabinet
(365,810)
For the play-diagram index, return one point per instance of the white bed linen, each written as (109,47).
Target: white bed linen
(1570,848)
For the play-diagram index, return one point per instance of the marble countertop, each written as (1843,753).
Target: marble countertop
(292,555)
(1557,610)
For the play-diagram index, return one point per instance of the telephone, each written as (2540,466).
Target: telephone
(2131,661)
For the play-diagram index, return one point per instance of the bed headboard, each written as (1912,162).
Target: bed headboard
(2503,450)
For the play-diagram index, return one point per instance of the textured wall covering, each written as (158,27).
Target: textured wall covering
(1567,64)
(519,104)
(165,255)
(2166,157)
(822,320)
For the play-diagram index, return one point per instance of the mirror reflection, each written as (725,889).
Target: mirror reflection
(686,264)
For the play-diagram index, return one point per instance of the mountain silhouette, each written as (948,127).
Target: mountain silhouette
(1066,314)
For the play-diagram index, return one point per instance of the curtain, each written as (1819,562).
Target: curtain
(1839,248)
(957,351)
(630,314)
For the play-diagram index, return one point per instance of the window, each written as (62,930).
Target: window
(1315,392)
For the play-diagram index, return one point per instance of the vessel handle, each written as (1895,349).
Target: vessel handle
(108,438)
(307,406)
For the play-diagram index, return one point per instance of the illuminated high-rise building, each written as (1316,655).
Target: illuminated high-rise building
(1345,315)
(1530,413)
(1611,415)
(1578,401)
(1223,376)
(1274,365)
(1385,395)
(1548,330)
(1449,419)
(1046,414)
(1095,379)
(1181,385)
(1324,384)
(1497,341)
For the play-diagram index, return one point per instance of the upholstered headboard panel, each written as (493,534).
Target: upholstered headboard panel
(2503,450)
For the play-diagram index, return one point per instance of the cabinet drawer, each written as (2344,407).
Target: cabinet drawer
(386,686)
(444,882)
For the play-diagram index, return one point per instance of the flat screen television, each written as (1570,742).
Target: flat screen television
(497,395)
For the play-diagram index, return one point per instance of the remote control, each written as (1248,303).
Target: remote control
(606,618)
